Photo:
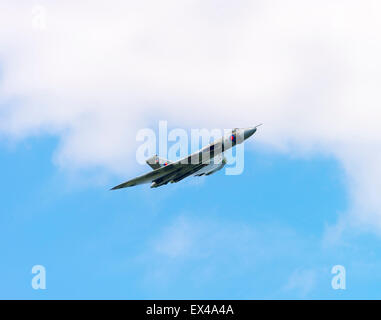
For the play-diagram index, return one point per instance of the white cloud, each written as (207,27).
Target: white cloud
(100,70)
(199,250)
(302,280)
(177,240)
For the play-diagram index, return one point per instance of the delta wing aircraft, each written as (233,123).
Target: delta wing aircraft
(206,161)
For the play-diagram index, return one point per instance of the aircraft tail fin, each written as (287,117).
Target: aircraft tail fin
(156,162)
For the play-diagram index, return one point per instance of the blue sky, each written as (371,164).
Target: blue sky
(77,83)
(257,235)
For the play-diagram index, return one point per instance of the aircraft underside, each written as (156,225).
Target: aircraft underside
(187,170)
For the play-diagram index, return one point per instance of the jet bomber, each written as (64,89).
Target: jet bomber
(206,161)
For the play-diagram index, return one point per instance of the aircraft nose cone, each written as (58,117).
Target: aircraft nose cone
(249,132)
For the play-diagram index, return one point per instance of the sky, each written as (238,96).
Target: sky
(79,80)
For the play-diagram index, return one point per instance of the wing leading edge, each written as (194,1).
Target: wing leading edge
(173,172)
(148,177)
